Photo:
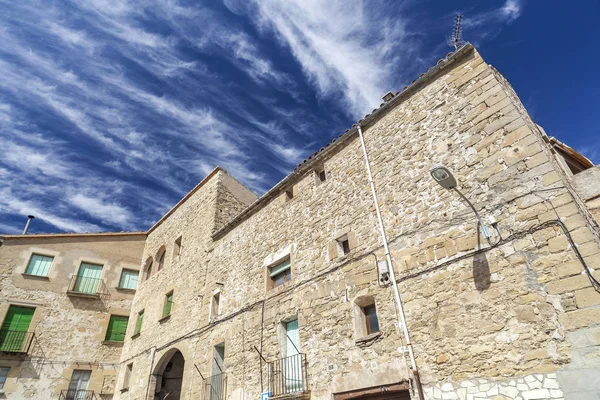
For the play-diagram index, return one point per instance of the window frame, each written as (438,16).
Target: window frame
(38,254)
(215,311)
(285,273)
(127,377)
(178,247)
(168,307)
(108,328)
(368,320)
(138,323)
(128,270)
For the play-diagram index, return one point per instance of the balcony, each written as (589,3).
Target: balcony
(82,286)
(288,376)
(15,342)
(215,387)
(75,394)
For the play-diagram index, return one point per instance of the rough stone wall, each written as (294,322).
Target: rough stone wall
(587,185)
(69,331)
(498,318)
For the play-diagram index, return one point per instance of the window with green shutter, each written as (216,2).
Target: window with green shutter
(168,304)
(117,326)
(140,320)
(39,265)
(129,279)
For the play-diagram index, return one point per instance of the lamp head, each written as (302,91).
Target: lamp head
(443,176)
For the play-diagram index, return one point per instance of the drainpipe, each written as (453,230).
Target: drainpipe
(395,291)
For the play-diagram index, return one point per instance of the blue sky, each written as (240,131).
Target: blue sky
(111,111)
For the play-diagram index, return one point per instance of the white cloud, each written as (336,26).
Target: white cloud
(342,46)
(105,211)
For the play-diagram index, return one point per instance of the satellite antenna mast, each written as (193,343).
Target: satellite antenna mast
(456,39)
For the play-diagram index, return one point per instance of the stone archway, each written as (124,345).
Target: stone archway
(169,376)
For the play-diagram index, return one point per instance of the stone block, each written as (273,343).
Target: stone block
(587,297)
(570,268)
(580,318)
(516,135)
(558,244)
(568,284)
(536,160)
(550,178)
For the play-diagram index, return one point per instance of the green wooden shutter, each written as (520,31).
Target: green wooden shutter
(169,304)
(140,320)
(117,326)
(14,328)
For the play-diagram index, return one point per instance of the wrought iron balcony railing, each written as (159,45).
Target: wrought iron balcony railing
(81,285)
(216,387)
(288,375)
(76,394)
(15,341)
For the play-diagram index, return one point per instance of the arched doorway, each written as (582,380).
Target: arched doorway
(169,376)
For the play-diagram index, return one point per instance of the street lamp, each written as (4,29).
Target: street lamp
(444,177)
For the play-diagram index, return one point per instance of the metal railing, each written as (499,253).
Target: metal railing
(87,286)
(288,375)
(215,387)
(76,394)
(15,341)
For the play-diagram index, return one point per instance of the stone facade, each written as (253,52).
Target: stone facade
(67,331)
(514,319)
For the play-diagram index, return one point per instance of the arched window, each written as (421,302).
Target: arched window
(161,259)
(148,268)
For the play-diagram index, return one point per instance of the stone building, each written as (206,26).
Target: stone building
(240,296)
(63,299)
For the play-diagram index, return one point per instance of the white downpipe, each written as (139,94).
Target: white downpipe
(384,240)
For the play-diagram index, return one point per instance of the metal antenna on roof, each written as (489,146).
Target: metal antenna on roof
(456,40)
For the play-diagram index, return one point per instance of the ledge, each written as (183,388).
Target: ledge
(164,319)
(367,340)
(111,343)
(83,295)
(38,277)
(125,290)
(136,335)
(124,390)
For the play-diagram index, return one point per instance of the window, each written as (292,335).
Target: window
(148,268)
(88,278)
(161,260)
(365,317)
(280,273)
(117,326)
(138,324)
(128,279)
(13,335)
(289,194)
(178,248)
(322,176)
(79,383)
(39,265)
(3,376)
(214,306)
(168,304)
(371,319)
(343,244)
(127,378)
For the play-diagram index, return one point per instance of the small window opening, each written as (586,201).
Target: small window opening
(127,379)
(161,260)
(215,305)
(365,317)
(139,322)
(168,304)
(280,273)
(178,247)
(322,176)
(289,194)
(371,321)
(343,245)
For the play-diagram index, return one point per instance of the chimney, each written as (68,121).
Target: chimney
(388,96)
(29,218)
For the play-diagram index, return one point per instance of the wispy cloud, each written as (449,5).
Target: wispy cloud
(111,110)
